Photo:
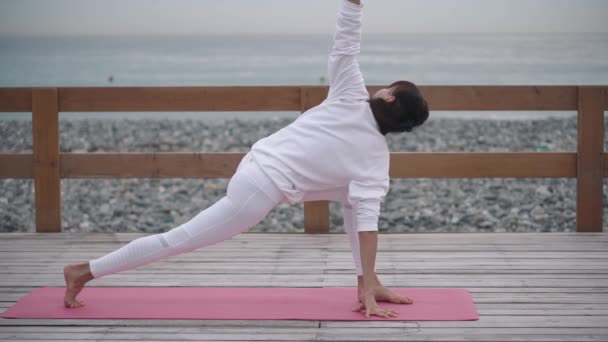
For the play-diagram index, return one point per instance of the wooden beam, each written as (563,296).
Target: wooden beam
(483,97)
(161,99)
(16,99)
(403,165)
(257,98)
(149,165)
(589,186)
(501,97)
(312,96)
(16,165)
(45,126)
(483,165)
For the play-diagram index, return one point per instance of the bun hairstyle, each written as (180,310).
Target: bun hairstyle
(408,111)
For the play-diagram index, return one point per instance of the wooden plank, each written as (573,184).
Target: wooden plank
(392,255)
(149,165)
(483,97)
(223,165)
(487,322)
(333,247)
(400,334)
(467,266)
(419,267)
(501,97)
(249,334)
(491,322)
(389,241)
(87,246)
(507,238)
(570,280)
(311,97)
(483,165)
(161,99)
(18,99)
(161,330)
(133,278)
(45,127)
(16,165)
(380,334)
(589,185)
(394,333)
(346,268)
(285,98)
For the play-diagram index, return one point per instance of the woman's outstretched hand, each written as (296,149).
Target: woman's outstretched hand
(368,304)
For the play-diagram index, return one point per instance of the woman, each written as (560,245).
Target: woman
(336,151)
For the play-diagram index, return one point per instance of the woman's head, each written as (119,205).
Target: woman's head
(399,108)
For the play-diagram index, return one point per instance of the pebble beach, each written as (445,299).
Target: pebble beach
(412,205)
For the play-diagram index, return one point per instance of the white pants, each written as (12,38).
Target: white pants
(250,196)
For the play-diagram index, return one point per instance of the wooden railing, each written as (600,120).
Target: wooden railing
(47,166)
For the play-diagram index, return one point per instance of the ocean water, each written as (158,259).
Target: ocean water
(426,59)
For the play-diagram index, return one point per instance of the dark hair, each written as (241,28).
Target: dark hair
(409,109)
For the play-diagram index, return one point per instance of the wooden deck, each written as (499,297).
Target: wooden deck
(527,287)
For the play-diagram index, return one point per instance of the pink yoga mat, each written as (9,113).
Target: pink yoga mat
(430,304)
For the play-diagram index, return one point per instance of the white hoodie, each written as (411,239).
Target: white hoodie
(338,143)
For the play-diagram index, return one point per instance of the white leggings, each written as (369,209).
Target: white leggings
(250,196)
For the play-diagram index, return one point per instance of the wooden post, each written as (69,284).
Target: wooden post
(316,214)
(45,127)
(589,185)
(316,217)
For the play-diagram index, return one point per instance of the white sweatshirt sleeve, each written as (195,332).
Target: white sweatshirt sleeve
(365,198)
(345,78)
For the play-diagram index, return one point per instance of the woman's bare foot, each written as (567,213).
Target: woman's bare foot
(76,276)
(383,294)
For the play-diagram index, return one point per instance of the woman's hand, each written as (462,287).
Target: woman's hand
(371,308)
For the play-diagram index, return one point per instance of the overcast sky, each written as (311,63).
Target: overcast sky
(42,17)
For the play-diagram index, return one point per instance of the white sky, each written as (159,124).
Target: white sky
(42,17)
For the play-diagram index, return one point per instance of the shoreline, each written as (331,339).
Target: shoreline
(412,205)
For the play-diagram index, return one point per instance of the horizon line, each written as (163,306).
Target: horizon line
(156,34)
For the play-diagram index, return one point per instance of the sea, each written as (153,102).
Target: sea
(239,60)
